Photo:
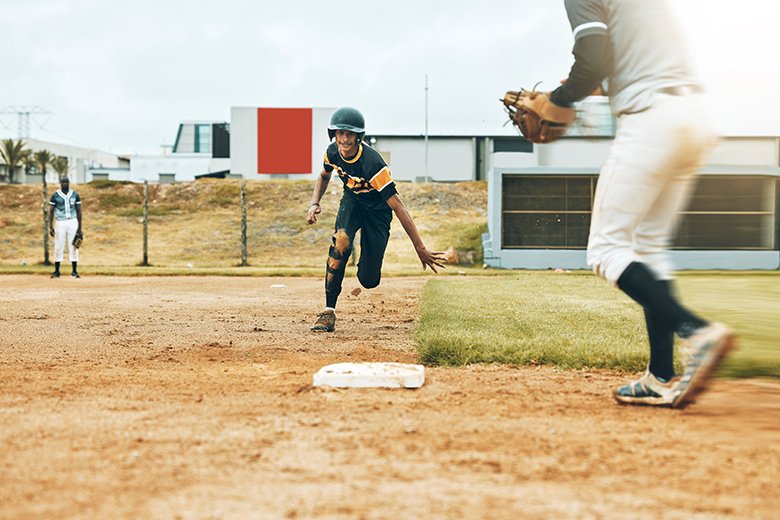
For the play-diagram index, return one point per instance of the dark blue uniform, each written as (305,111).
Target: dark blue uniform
(367,187)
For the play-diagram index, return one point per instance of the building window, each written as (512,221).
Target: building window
(729,212)
(193,138)
(202,138)
(167,178)
(220,140)
(546,211)
(726,213)
(512,144)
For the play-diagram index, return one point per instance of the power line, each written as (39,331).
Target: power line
(24,113)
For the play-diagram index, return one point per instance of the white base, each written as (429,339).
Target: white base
(371,375)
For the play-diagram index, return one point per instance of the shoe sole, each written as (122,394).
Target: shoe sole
(701,378)
(657,402)
(322,329)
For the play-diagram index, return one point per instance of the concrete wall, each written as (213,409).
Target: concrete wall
(746,151)
(574,153)
(184,167)
(449,158)
(592,152)
(682,260)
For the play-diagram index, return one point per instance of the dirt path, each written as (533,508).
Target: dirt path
(188,398)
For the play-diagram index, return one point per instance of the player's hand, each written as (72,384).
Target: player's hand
(51,231)
(311,216)
(432,259)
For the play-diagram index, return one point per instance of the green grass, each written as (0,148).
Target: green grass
(111,201)
(577,321)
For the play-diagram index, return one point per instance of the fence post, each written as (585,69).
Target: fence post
(243,224)
(44,196)
(145,262)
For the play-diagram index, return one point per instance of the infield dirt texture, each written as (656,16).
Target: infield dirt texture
(189,398)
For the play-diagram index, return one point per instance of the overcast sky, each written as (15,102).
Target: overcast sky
(120,75)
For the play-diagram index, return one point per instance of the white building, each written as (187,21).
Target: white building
(202,148)
(80,162)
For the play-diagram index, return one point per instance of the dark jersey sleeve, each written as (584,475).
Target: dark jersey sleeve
(78,197)
(53,199)
(592,55)
(327,161)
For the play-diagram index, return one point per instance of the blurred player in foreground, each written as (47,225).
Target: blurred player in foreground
(367,204)
(663,135)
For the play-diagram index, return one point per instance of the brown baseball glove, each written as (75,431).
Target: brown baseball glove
(78,239)
(538,119)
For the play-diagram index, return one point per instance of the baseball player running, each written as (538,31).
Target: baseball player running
(367,204)
(64,224)
(663,136)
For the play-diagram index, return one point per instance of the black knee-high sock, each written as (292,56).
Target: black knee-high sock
(56,267)
(334,276)
(638,282)
(661,336)
(74,266)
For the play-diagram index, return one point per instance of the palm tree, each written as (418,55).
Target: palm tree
(13,154)
(42,159)
(60,165)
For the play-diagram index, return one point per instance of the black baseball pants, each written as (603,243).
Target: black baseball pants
(374,226)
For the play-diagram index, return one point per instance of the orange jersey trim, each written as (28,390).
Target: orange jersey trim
(381,180)
(354,159)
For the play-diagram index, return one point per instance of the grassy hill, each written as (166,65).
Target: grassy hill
(198,223)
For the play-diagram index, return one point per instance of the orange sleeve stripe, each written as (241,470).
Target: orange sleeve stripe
(381,179)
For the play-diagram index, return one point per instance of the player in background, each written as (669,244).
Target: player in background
(367,204)
(64,223)
(663,135)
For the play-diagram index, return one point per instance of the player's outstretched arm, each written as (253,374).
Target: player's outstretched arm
(319,189)
(432,259)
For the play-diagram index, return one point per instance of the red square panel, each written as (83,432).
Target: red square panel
(284,140)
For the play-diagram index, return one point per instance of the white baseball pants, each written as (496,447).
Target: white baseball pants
(647,179)
(64,231)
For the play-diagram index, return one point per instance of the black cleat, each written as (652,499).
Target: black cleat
(74,274)
(55,274)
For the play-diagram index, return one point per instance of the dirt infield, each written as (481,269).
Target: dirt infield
(190,398)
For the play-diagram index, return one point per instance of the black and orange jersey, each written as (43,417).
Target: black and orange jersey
(366,176)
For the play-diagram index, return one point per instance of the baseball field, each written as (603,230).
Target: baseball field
(127,396)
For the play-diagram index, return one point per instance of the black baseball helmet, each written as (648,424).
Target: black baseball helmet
(347,118)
